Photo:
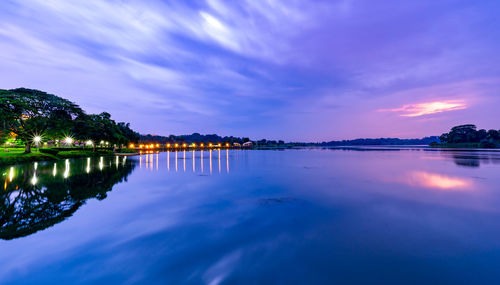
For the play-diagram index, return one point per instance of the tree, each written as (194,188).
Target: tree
(3,136)
(461,134)
(494,135)
(28,112)
(102,128)
(470,134)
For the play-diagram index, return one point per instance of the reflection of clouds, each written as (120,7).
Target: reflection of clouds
(222,268)
(438,181)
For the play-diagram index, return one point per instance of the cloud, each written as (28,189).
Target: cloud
(428,108)
(186,64)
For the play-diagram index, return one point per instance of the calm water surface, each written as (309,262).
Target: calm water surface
(344,216)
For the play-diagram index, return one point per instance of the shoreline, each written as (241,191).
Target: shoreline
(7,159)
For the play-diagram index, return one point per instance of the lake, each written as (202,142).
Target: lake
(368,215)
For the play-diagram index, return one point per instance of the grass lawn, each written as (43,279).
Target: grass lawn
(17,155)
(82,153)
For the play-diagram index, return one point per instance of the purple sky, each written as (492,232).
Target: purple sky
(297,70)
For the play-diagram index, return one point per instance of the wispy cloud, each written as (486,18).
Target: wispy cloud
(186,64)
(428,108)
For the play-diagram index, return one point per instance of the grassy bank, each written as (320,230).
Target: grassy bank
(17,155)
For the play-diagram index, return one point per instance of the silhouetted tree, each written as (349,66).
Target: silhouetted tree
(470,134)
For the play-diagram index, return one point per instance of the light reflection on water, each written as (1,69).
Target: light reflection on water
(344,216)
(153,158)
(11,172)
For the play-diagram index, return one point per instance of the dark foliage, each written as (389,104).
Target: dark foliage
(382,141)
(194,138)
(468,134)
(27,113)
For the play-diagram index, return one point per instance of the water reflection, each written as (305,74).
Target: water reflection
(438,181)
(35,197)
(66,169)
(154,159)
(398,217)
(472,159)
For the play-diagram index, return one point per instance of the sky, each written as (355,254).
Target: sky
(298,70)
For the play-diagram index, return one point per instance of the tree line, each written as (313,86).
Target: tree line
(382,141)
(193,138)
(469,134)
(30,115)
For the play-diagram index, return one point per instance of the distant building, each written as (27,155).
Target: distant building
(236,144)
(248,144)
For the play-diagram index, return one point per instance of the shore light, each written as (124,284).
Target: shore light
(210,144)
(227,144)
(131,145)
(218,144)
(184,145)
(176,145)
(141,146)
(168,145)
(157,145)
(201,145)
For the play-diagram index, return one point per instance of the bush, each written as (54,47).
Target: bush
(51,151)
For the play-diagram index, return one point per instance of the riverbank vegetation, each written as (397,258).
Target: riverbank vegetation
(382,141)
(35,118)
(193,138)
(467,136)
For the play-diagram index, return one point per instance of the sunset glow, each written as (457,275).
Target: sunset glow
(432,180)
(428,108)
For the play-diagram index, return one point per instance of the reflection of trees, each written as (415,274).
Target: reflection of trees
(475,159)
(467,160)
(26,208)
